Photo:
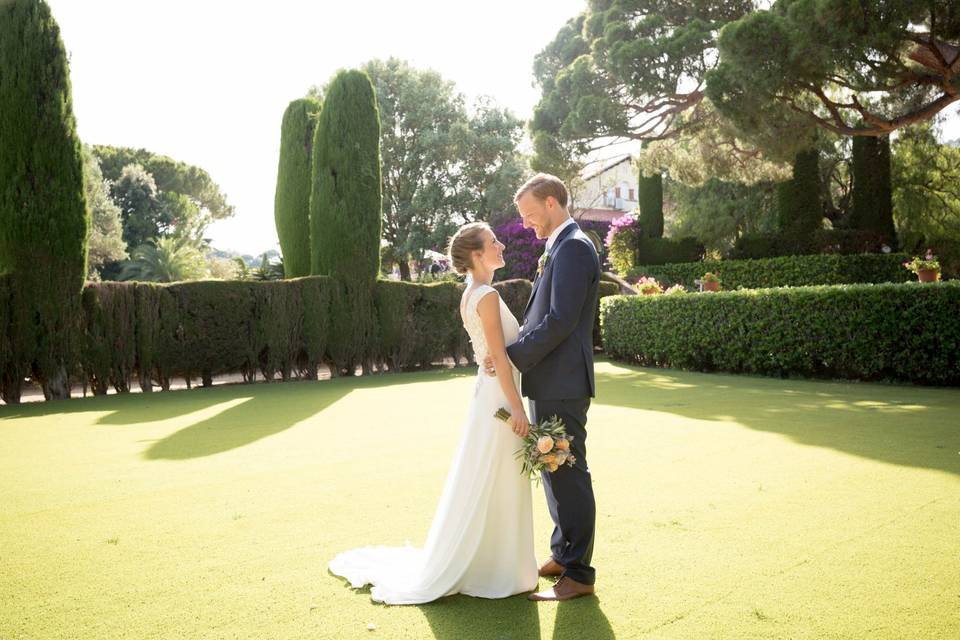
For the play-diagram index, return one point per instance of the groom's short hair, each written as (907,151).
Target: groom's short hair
(543,185)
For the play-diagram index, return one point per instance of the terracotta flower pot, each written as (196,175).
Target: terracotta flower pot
(928,275)
(711,285)
(649,292)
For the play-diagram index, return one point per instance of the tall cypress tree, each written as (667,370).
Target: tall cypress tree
(291,209)
(650,196)
(872,192)
(799,202)
(43,212)
(345,214)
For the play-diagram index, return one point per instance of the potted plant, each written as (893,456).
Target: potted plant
(710,282)
(648,286)
(926,268)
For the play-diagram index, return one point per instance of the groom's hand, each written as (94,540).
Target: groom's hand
(488,366)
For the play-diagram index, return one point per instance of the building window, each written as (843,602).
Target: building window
(617,192)
(631,196)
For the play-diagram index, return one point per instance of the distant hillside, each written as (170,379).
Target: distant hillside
(251,261)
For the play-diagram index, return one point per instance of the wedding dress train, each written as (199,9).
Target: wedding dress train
(480,542)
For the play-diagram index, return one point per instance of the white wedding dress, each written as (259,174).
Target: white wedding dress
(481,540)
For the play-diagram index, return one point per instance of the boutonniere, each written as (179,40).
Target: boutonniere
(542,262)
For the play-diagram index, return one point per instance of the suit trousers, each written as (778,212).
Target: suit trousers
(569,491)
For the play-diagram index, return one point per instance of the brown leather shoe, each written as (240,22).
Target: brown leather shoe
(566,589)
(551,568)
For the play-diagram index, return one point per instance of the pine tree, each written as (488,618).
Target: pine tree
(43,214)
(345,214)
(292,200)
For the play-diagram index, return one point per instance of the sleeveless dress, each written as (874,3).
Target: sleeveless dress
(480,542)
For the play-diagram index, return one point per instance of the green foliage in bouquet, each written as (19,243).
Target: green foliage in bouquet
(545,447)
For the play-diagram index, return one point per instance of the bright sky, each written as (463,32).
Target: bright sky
(207,82)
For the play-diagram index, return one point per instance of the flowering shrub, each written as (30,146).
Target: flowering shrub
(928,262)
(648,286)
(677,288)
(621,242)
(522,251)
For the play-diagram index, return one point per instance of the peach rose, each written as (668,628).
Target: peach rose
(553,467)
(544,444)
(550,458)
(563,444)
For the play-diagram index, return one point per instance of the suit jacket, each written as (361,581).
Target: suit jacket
(554,352)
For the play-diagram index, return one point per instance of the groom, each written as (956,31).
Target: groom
(555,355)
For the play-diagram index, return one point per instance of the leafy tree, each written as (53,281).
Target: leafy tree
(717,213)
(443,164)
(712,148)
(169,175)
(345,214)
(144,212)
(105,239)
(926,192)
(292,199)
(853,68)
(44,219)
(799,199)
(625,69)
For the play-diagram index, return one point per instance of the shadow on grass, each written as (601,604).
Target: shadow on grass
(460,617)
(253,411)
(898,424)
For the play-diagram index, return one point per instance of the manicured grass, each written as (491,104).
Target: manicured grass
(728,507)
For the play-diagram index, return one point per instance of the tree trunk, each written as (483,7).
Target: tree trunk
(404,270)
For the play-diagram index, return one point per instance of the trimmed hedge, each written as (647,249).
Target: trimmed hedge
(896,332)
(821,241)
(793,271)
(155,332)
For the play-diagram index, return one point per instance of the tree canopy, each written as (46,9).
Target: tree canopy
(625,69)
(853,68)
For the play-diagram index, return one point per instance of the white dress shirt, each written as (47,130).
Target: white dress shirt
(556,232)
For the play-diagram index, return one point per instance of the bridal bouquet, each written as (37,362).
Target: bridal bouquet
(546,446)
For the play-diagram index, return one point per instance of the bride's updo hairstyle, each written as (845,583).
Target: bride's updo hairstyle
(465,241)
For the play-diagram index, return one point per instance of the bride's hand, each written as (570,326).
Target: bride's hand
(488,366)
(519,422)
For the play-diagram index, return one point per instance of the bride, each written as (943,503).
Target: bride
(481,540)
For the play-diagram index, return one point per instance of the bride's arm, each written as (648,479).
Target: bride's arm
(488,308)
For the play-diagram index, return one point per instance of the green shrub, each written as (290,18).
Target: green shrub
(799,206)
(110,344)
(822,241)
(345,215)
(43,213)
(291,208)
(668,250)
(872,191)
(901,332)
(146,300)
(786,271)
(395,303)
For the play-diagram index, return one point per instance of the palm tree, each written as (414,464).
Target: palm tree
(168,259)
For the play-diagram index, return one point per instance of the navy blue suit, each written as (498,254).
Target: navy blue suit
(554,354)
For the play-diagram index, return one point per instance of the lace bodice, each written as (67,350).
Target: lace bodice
(474,326)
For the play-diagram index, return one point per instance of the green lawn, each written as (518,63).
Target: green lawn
(728,507)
